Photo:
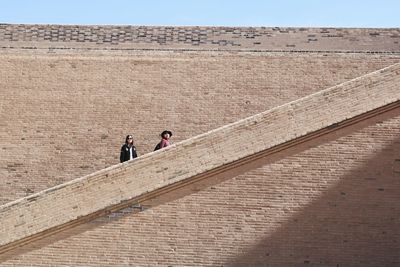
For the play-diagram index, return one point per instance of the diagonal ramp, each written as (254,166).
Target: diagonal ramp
(55,209)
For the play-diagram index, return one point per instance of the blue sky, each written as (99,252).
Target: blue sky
(276,13)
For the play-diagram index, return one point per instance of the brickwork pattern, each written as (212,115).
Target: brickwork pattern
(303,210)
(74,109)
(111,186)
(220,38)
(67,83)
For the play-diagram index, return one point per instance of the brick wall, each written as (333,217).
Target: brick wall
(200,38)
(61,90)
(66,114)
(311,183)
(334,204)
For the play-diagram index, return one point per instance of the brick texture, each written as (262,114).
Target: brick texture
(73,110)
(203,38)
(65,94)
(333,204)
(279,125)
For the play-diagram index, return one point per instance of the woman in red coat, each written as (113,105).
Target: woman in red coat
(165,136)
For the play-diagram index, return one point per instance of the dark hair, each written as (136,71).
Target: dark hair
(127,138)
(166,132)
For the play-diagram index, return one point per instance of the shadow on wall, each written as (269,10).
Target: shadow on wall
(356,223)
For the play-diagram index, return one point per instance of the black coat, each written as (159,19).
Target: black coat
(125,153)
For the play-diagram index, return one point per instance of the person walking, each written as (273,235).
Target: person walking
(128,150)
(165,136)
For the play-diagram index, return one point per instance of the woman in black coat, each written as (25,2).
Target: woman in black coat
(128,150)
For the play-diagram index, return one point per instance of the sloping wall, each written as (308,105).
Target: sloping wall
(211,150)
(335,203)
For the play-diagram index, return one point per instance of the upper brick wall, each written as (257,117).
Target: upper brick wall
(57,104)
(81,197)
(58,83)
(200,38)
